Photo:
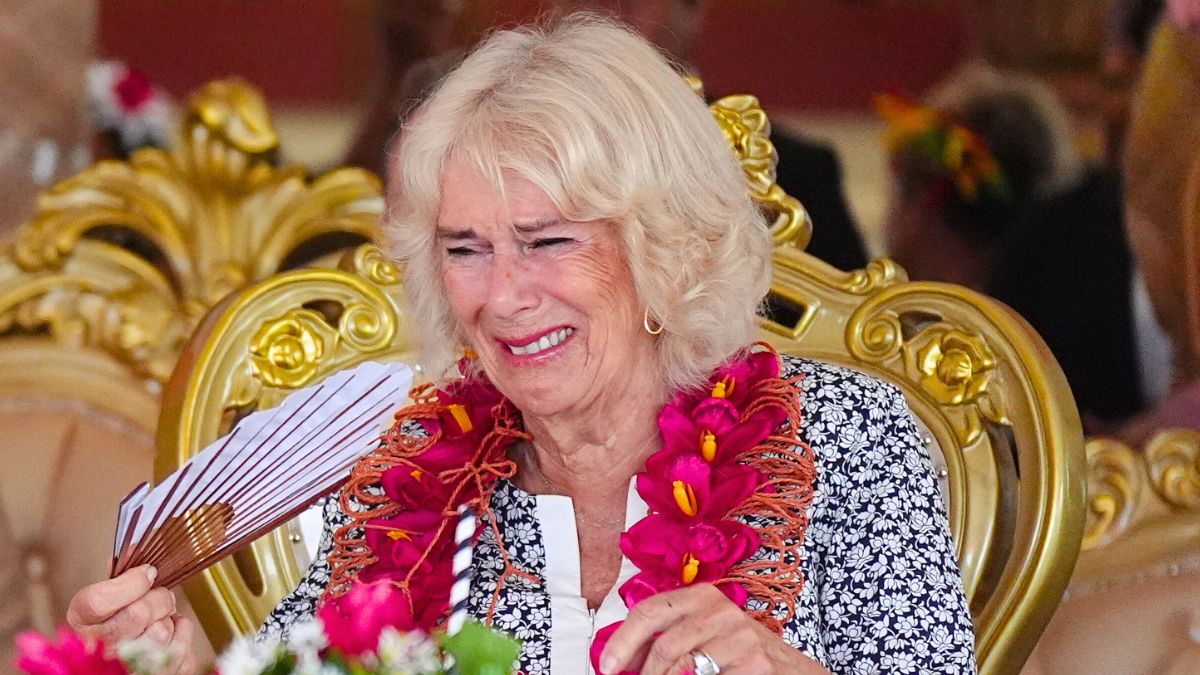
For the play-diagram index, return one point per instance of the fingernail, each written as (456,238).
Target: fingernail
(151,573)
(174,602)
(608,664)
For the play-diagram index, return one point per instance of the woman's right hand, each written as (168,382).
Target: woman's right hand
(128,607)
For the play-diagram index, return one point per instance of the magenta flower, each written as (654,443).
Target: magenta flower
(471,401)
(647,583)
(652,582)
(710,422)
(415,489)
(71,656)
(400,541)
(736,379)
(742,373)
(683,432)
(691,553)
(354,621)
(687,487)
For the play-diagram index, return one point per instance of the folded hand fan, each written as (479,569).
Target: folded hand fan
(273,465)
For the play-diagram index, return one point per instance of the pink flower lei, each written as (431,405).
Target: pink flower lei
(729,451)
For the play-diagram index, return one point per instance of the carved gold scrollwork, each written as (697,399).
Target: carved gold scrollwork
(364,328)
(1115,478)
(746,127)
(1173,459)
(369,261)
(235,113)
(878,273)
(877,338)
(952,366)
(127,256)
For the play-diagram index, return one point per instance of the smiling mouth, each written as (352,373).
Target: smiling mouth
(541,344)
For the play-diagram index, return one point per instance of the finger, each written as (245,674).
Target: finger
(181,645)
(160,631)
(676,643)
(134,619)
(96,603)
(647,618)
(739,653)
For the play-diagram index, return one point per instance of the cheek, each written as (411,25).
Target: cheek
(465,292)
(603,283)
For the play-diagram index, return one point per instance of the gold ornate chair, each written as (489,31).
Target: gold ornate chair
(999,416)
(100,290)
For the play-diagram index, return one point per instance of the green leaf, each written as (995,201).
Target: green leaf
(285,664)
(479,650)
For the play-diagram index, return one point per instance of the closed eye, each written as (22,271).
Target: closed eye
(460,251)
(550,241)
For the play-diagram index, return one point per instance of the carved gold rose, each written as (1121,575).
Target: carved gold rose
(956,367)
(287,351)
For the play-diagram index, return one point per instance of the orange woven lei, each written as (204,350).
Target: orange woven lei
(473,423)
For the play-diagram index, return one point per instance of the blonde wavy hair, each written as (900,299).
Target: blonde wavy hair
(593,115)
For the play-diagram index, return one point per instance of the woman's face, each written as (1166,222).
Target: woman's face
(548,304)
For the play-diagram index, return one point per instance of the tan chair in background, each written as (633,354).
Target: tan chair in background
(994,402)
(1133,605)
(98,293)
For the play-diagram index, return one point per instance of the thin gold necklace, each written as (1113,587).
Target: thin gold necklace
(532,461)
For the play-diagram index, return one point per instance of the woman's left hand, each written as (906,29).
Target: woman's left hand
(663,630)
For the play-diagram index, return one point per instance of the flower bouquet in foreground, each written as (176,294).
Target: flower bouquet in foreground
(368,631)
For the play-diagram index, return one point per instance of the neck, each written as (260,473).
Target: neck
(595,449)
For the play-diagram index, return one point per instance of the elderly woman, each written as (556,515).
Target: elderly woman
(654,488)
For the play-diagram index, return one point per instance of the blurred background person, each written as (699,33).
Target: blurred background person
(990,192)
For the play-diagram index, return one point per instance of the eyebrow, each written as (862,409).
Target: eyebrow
(529,227)
(448,233)
(537,225)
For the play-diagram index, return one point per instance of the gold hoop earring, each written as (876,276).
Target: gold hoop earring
(658,327)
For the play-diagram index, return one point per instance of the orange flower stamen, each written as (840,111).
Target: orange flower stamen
(685,497)
(708,446)
(691,567)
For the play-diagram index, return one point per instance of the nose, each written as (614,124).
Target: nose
(512,290)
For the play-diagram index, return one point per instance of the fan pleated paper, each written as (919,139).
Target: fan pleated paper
(273,465)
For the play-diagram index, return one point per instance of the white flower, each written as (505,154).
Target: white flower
(307,637)
(144,656)
(410,653)
(244,656)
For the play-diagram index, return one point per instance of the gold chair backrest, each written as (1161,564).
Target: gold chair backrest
(100,289)
(982,383)
(127,256)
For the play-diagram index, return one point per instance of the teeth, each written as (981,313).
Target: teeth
(545,342)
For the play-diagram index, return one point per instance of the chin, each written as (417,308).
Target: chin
(541,391)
